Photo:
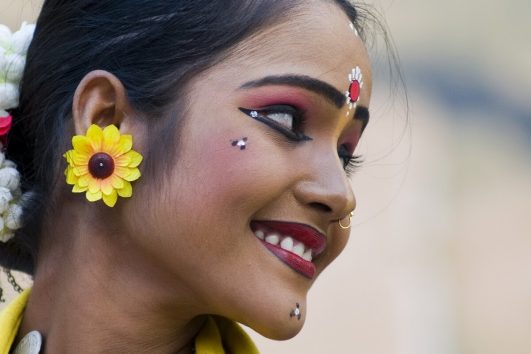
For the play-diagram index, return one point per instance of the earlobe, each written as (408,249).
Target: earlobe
(100,99)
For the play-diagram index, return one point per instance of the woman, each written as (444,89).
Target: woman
(206,145)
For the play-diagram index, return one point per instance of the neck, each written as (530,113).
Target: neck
(94,293)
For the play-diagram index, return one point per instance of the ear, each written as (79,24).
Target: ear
(101,99)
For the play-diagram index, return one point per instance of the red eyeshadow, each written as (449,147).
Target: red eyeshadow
(267,96)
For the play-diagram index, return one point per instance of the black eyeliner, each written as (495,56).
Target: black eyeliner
(291,135)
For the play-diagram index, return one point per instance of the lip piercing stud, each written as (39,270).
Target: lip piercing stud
(344,227)
(296,312)
(241,143)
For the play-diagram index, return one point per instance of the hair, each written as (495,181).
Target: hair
(155,47)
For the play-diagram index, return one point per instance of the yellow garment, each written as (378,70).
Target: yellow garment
(10,320)
(218,335)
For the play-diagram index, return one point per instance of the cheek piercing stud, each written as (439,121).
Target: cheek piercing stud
(241,143)
(344,227)
(296,312)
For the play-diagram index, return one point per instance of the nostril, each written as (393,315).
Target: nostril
(321,207)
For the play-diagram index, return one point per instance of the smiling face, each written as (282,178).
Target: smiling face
(248,217)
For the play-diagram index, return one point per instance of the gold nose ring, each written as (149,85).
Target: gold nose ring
(344,227)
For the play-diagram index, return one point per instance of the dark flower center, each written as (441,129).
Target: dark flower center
(101,165)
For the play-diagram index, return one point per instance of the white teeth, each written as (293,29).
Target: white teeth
(298,249)
(287,244)
(307,256)
(273,239)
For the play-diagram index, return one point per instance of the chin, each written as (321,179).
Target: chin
(280,331)
(275,324)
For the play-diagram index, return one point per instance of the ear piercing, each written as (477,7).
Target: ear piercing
(296,312)
(241,143)
(344,227)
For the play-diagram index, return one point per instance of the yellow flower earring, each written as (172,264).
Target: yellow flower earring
(102,164)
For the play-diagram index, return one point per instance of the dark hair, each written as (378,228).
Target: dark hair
(153,46)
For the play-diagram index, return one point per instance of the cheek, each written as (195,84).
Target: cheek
(240,180)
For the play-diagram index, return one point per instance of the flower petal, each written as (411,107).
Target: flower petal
(78,189)
(92,197)
(82,145)
(122,172)
(134,175)
(111,137)
(129,174)
(94,185)
(124,145)
(71,178)
(136,158)
(83,181)
(80,170)
(123,160)
(106,186)
(117,182)
(68,157)
(79,159)
(111,199)
(126,191)
(129,159)
(95,134)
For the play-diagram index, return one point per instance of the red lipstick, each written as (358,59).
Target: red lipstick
(313,241)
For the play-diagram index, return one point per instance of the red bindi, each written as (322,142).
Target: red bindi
(354,90)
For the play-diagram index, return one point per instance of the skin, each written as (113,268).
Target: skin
(139,277)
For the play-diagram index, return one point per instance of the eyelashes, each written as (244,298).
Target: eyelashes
(289,121)
(351,163)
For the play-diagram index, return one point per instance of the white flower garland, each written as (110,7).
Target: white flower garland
(13,50)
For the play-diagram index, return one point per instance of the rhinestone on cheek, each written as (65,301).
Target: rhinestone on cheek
(101,165)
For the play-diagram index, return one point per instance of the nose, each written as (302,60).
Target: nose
(326,189)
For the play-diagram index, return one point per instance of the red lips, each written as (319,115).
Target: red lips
(305,234)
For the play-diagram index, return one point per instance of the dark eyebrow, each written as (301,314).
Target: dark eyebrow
(306,82)
(362,114)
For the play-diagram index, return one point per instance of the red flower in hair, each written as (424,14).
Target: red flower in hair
(5,126)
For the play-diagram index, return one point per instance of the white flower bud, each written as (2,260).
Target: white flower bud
(22,38)
(2,115)
(5,37)
(9,178)
(14,68)
(14,217)
(6,235)
(4,63)
(8,95)
(5,198)
(9,163)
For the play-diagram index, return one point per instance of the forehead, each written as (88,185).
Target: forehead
(316,40)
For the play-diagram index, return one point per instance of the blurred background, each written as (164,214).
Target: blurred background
(439,260)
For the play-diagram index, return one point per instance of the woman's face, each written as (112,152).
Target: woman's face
(261,160)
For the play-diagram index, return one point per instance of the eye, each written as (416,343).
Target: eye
(350,162)
(282,118)
(285,119)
